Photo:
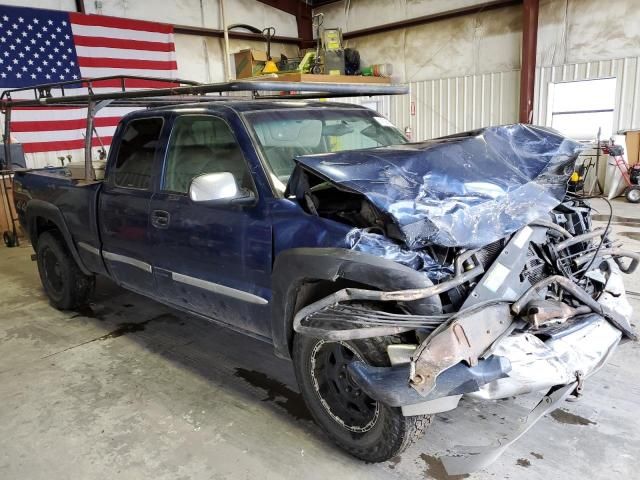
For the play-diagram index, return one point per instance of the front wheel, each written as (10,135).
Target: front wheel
(10,239)
(63,281)
(364,427)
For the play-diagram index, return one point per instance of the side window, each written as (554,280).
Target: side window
(134,162)
(202,144)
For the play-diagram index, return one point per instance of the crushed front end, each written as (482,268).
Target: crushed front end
(529,295)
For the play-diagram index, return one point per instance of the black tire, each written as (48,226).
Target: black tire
(387,434)
(63,281)
(9,238)
(633,194)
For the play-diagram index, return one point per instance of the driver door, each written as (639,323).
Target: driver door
(214,260)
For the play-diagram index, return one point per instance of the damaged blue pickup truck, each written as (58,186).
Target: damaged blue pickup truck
(398,277)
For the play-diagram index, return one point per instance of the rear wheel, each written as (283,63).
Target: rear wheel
(63,281)
(633,194)
(364,427)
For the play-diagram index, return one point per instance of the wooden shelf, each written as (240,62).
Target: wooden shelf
(312,78)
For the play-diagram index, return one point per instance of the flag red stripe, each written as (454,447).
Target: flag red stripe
(127,63)
(37,147)
(116,22)
(85,41)
(52,125)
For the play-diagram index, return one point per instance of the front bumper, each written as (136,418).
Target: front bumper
(505,361)
(518,362)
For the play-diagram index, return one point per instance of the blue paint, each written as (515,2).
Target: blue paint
(232,245)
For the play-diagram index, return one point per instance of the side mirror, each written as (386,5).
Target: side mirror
(219,188)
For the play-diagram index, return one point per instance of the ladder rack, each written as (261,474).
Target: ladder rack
(65,93)
(177,91)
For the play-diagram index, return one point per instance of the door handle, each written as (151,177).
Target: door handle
(160,219)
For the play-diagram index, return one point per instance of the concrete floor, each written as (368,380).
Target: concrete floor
(129,389)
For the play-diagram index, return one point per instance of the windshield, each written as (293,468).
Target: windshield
(286,134)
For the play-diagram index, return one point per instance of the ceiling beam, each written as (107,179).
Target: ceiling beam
(289,6)
(322,3)
(212,32)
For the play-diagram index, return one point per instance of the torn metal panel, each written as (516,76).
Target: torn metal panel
(364,240)
(467,190)
(471,459)
(537,365)
(544,312)
(463,339)
(616,319)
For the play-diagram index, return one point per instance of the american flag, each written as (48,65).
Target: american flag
(45,46)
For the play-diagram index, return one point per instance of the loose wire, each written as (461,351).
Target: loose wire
(606,231)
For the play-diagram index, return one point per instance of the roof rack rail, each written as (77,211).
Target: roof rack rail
(65,93)
(126,92)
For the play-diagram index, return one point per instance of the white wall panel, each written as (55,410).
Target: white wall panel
(457,104)
(198,13)
(181,12)
(469,45)
(353,15)
(66,5)
(453,105)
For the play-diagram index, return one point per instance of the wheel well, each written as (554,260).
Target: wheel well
(41,225)
(313,290)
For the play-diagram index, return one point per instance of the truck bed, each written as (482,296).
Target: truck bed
(50,188)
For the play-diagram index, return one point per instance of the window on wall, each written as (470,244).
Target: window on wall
(579,109)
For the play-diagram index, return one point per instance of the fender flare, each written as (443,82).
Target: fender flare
(40,209)
(296,267)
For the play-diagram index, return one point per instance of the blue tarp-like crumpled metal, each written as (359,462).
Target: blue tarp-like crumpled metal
(466,190)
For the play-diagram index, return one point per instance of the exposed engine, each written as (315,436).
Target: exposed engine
(564,245)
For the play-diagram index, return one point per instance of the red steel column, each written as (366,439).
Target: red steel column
(528,71)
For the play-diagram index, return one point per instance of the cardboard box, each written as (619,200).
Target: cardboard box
(5,208)
(76,169)
(632,141)
(249,62)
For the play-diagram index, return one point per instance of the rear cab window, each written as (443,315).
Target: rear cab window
(133,166)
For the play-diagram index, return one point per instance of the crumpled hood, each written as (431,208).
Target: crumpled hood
(466,190)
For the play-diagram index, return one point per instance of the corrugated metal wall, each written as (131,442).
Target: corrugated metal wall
(627,72)
(452,105)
